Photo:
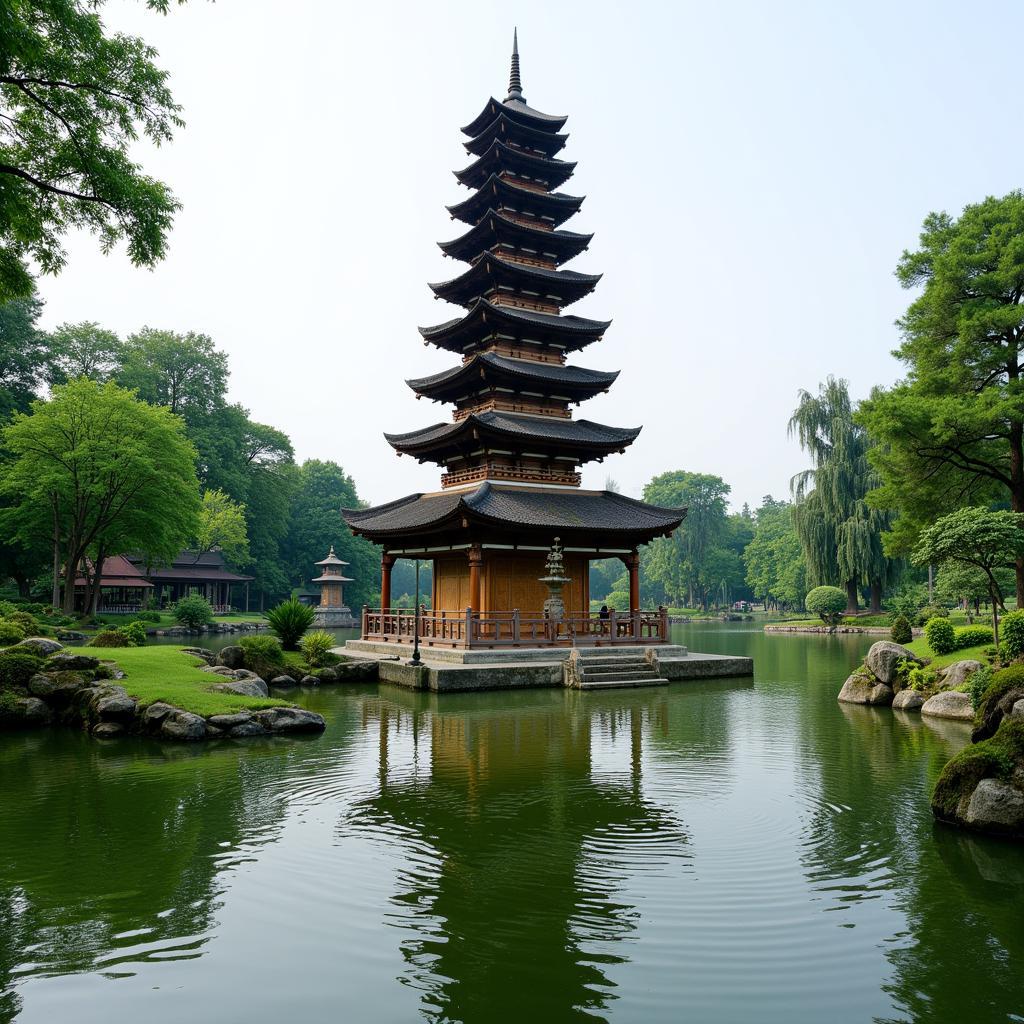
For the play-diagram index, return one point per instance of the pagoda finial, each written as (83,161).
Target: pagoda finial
(515,85)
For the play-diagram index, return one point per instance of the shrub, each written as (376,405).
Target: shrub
(1011,634)
(828,603)
(193,611)
(1000,683)
(262,654)
(901,631)
(923,678)
(931,611)
(145,616)
(315,646)
(972,636)
(940,634)
(110,638)
(289,620)
(10,633)
(977,683)
(17,668)
(27,622)
(134,633)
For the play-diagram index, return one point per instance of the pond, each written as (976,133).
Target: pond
(730,851)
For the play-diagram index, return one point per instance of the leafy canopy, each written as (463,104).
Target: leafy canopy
(74,99)
(222,528)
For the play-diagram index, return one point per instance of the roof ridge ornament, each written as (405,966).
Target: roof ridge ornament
(515,85)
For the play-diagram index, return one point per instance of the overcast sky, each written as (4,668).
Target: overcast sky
(752,171)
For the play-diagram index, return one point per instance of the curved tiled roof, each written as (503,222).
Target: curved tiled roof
(525,369)
(554,172)
(558,206)
(584,433)
(564,510)
(495,227)
(519,110)
(505,126)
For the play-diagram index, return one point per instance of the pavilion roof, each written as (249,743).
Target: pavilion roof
(332,578)
(489,366)
(568,511)
(484,319)
(492,269)
(496,228)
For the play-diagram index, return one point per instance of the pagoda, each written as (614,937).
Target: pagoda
(332,612)
(512,451)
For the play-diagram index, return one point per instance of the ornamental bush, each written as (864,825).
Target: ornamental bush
(901,631)
(193,611)
(316,646)
(147,616)
(134,633)
(940,634)
(263,655)
(10,633)
(289,620)
(972,636)
(828,603)
(1011,634)
(931,611)
(110,638)
(17,668)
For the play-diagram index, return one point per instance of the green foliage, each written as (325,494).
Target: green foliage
(23,351)
(193,611)
(971,636)
(1001,683)
(315,646)
(901,632)
(828,603)
(222,528)
(134,633)
(147,616)
(82,350)
(953,426)
(996,757)
(17,668)
(840,534)
(116,474)
(10,633)
(1012,634)
(940,635)
(289,620)
(263,655)
(932,611)
(619,600)
(110,638)
(977,684)
(75,99)
(923,678)
(776,570)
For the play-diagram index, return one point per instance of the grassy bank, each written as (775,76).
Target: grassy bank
(922,650)
(165,673)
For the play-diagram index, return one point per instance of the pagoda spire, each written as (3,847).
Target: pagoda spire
(515,85)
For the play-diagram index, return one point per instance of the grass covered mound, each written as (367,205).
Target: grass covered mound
(922,650)
(996,757)
(165,673)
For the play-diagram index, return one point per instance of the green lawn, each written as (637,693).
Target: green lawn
(922,650)
(164,673)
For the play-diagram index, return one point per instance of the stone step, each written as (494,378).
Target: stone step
(595,665)
(611,684)
(639,673)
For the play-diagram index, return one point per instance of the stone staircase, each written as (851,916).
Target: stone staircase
(604,669)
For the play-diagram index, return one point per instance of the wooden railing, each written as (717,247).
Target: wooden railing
(517,473)
(514,628)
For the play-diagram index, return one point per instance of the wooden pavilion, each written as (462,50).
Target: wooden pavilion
(512,451)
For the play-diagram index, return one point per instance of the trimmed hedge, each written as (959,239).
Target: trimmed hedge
(1011,634)
(972,636)
(940,635)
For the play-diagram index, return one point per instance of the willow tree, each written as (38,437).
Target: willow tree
(840,535)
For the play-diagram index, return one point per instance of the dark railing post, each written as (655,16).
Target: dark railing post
(613,626)
(636,623)
(366,615)
(467,639)
(515,625)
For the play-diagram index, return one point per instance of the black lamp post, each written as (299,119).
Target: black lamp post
(416,621)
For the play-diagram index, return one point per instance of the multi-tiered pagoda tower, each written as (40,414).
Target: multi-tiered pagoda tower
(513,449)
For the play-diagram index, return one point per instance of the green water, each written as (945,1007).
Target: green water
(732,851)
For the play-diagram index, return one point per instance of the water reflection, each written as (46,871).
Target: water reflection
(521,826)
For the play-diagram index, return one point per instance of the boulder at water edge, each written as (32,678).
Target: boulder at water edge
(996,806)
(861,688)
(950,704)
(908,700)
(232,656)
(883,660)
(958,673)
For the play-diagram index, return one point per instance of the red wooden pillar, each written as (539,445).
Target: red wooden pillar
(387,563)
(476,558)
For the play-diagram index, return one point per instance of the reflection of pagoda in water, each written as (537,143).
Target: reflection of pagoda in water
(512,905)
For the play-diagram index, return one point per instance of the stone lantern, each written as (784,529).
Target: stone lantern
(555,578)
(332,611)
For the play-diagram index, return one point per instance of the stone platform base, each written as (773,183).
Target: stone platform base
(452,670)
(335,618)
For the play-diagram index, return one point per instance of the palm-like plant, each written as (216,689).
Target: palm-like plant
(289,620)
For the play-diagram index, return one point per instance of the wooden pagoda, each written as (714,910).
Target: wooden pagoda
(512,451)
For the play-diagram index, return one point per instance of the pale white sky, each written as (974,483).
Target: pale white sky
(752,171)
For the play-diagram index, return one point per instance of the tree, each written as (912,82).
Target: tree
(83,350)
(776,568)
(183,372)
(222,528)
(978,538)
(112,473)
(676,563)
(840,534)
(74,100)
(23,354)
(953,432)
(956,583)
(828,603)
